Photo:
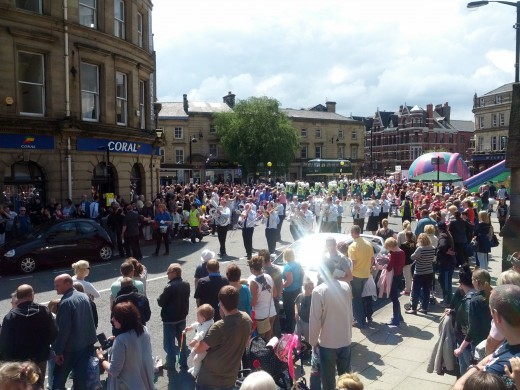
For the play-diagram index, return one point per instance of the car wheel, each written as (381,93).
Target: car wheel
(105,252)
(27,264)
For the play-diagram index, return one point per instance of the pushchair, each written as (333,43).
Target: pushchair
(262,357)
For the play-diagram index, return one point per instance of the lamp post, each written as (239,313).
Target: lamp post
(476,4)
(437,161)
(511,230)
(193,140)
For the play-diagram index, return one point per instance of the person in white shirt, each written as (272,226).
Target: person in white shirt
(330,327)
(224,214)
(329,216)
(359,211)
(271,219)
(247,219)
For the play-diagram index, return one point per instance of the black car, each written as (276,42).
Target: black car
(63,242)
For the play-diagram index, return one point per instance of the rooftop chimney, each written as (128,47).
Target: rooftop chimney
(229,99)
(429,111)
(185,103)
(331,106)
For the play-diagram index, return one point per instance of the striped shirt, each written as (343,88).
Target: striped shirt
(424,257)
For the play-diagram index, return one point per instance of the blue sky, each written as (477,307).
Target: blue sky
(362,54)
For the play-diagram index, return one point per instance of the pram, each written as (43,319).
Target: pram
(262,357)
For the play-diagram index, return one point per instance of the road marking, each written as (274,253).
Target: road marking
(100,265)
(21,277)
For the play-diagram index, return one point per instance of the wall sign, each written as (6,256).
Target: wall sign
(26,141)
(116,146)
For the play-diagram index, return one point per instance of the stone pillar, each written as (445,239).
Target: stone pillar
(511,230)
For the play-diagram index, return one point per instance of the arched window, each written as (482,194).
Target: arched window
(24,182)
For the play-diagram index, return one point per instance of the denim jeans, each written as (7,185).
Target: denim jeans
(330,360)
(288,298)
(202,387)
(172,332)
(482,259)
(394,296)
(357,303)
(421,287)
(445,280)
(77,361)
(464,359)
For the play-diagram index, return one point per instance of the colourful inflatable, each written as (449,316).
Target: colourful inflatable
(453,163)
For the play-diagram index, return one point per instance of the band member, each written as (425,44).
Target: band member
(247,219)
(271,219)
(329,216)
(359,211)
(294,207)
(224,213)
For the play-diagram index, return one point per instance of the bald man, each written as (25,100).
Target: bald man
(27,331)
(76,336)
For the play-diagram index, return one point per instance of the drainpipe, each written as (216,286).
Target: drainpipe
(66,52)
(69,170)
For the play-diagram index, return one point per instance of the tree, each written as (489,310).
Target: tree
(257,132)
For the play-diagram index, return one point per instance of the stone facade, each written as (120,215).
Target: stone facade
(324,134)
(77,78)
(492,115)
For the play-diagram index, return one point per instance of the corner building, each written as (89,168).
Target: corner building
(77,82)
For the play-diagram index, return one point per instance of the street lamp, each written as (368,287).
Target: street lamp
(437,161)
(511,229)
(476,4)
(193,140)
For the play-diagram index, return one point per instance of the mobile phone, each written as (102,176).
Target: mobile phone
(103,341)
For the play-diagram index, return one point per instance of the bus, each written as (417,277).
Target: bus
(328,168)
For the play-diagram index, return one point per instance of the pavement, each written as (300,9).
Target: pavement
(389,357)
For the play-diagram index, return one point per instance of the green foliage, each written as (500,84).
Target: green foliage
(257,132)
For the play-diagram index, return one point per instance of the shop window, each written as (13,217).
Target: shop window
(136,180)
(24,182)
(31,83)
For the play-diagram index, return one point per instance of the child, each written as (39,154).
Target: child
(205,315)
(302,309)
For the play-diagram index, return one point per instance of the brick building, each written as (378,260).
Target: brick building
(397,138)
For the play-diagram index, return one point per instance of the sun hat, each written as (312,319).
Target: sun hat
(207,255)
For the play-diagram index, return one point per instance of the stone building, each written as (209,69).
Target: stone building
(325,134)
(492,113)
(396,139)
(78,92)
(192,150)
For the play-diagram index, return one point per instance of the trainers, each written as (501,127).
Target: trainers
(411,311)
(422,311)
(393,322)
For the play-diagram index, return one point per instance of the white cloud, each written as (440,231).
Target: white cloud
(363,55)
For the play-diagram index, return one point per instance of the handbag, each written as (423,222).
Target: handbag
(263,326)
(494,241)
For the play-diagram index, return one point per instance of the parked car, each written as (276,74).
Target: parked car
(59,243)
(310,250)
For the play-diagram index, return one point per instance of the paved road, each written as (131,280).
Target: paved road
(377,354)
